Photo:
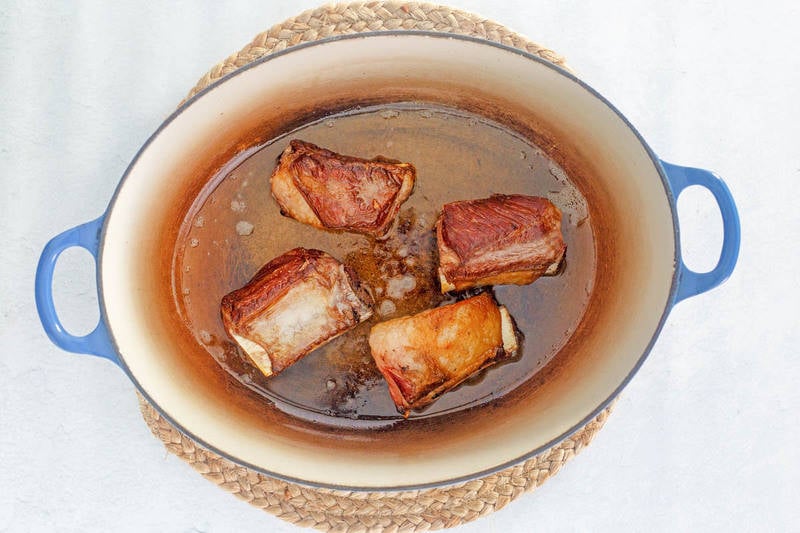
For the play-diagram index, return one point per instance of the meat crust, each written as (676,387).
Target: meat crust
(294,304)
(337,192)
(498,240)
(425,355)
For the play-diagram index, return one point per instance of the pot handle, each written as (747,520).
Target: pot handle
(691,283)
(98,342)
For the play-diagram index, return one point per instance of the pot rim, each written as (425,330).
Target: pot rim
(671,299)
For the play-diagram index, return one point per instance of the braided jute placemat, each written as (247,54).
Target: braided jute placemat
(344,511)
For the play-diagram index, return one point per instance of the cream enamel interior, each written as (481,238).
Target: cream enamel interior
(132,269)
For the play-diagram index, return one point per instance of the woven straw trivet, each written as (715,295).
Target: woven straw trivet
(344,511)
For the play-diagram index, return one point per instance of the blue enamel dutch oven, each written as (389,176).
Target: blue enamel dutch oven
(632,195)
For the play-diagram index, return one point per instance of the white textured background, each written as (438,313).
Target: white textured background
(704,438)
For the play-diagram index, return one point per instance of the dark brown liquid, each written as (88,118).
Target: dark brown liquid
(235,227)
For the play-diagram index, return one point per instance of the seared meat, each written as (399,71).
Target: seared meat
(295,303)
(424,355)
(332,191)
(498,240)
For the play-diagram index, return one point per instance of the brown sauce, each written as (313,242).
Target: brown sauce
(234,227)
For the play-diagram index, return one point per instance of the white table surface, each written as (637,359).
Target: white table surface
(704,438)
